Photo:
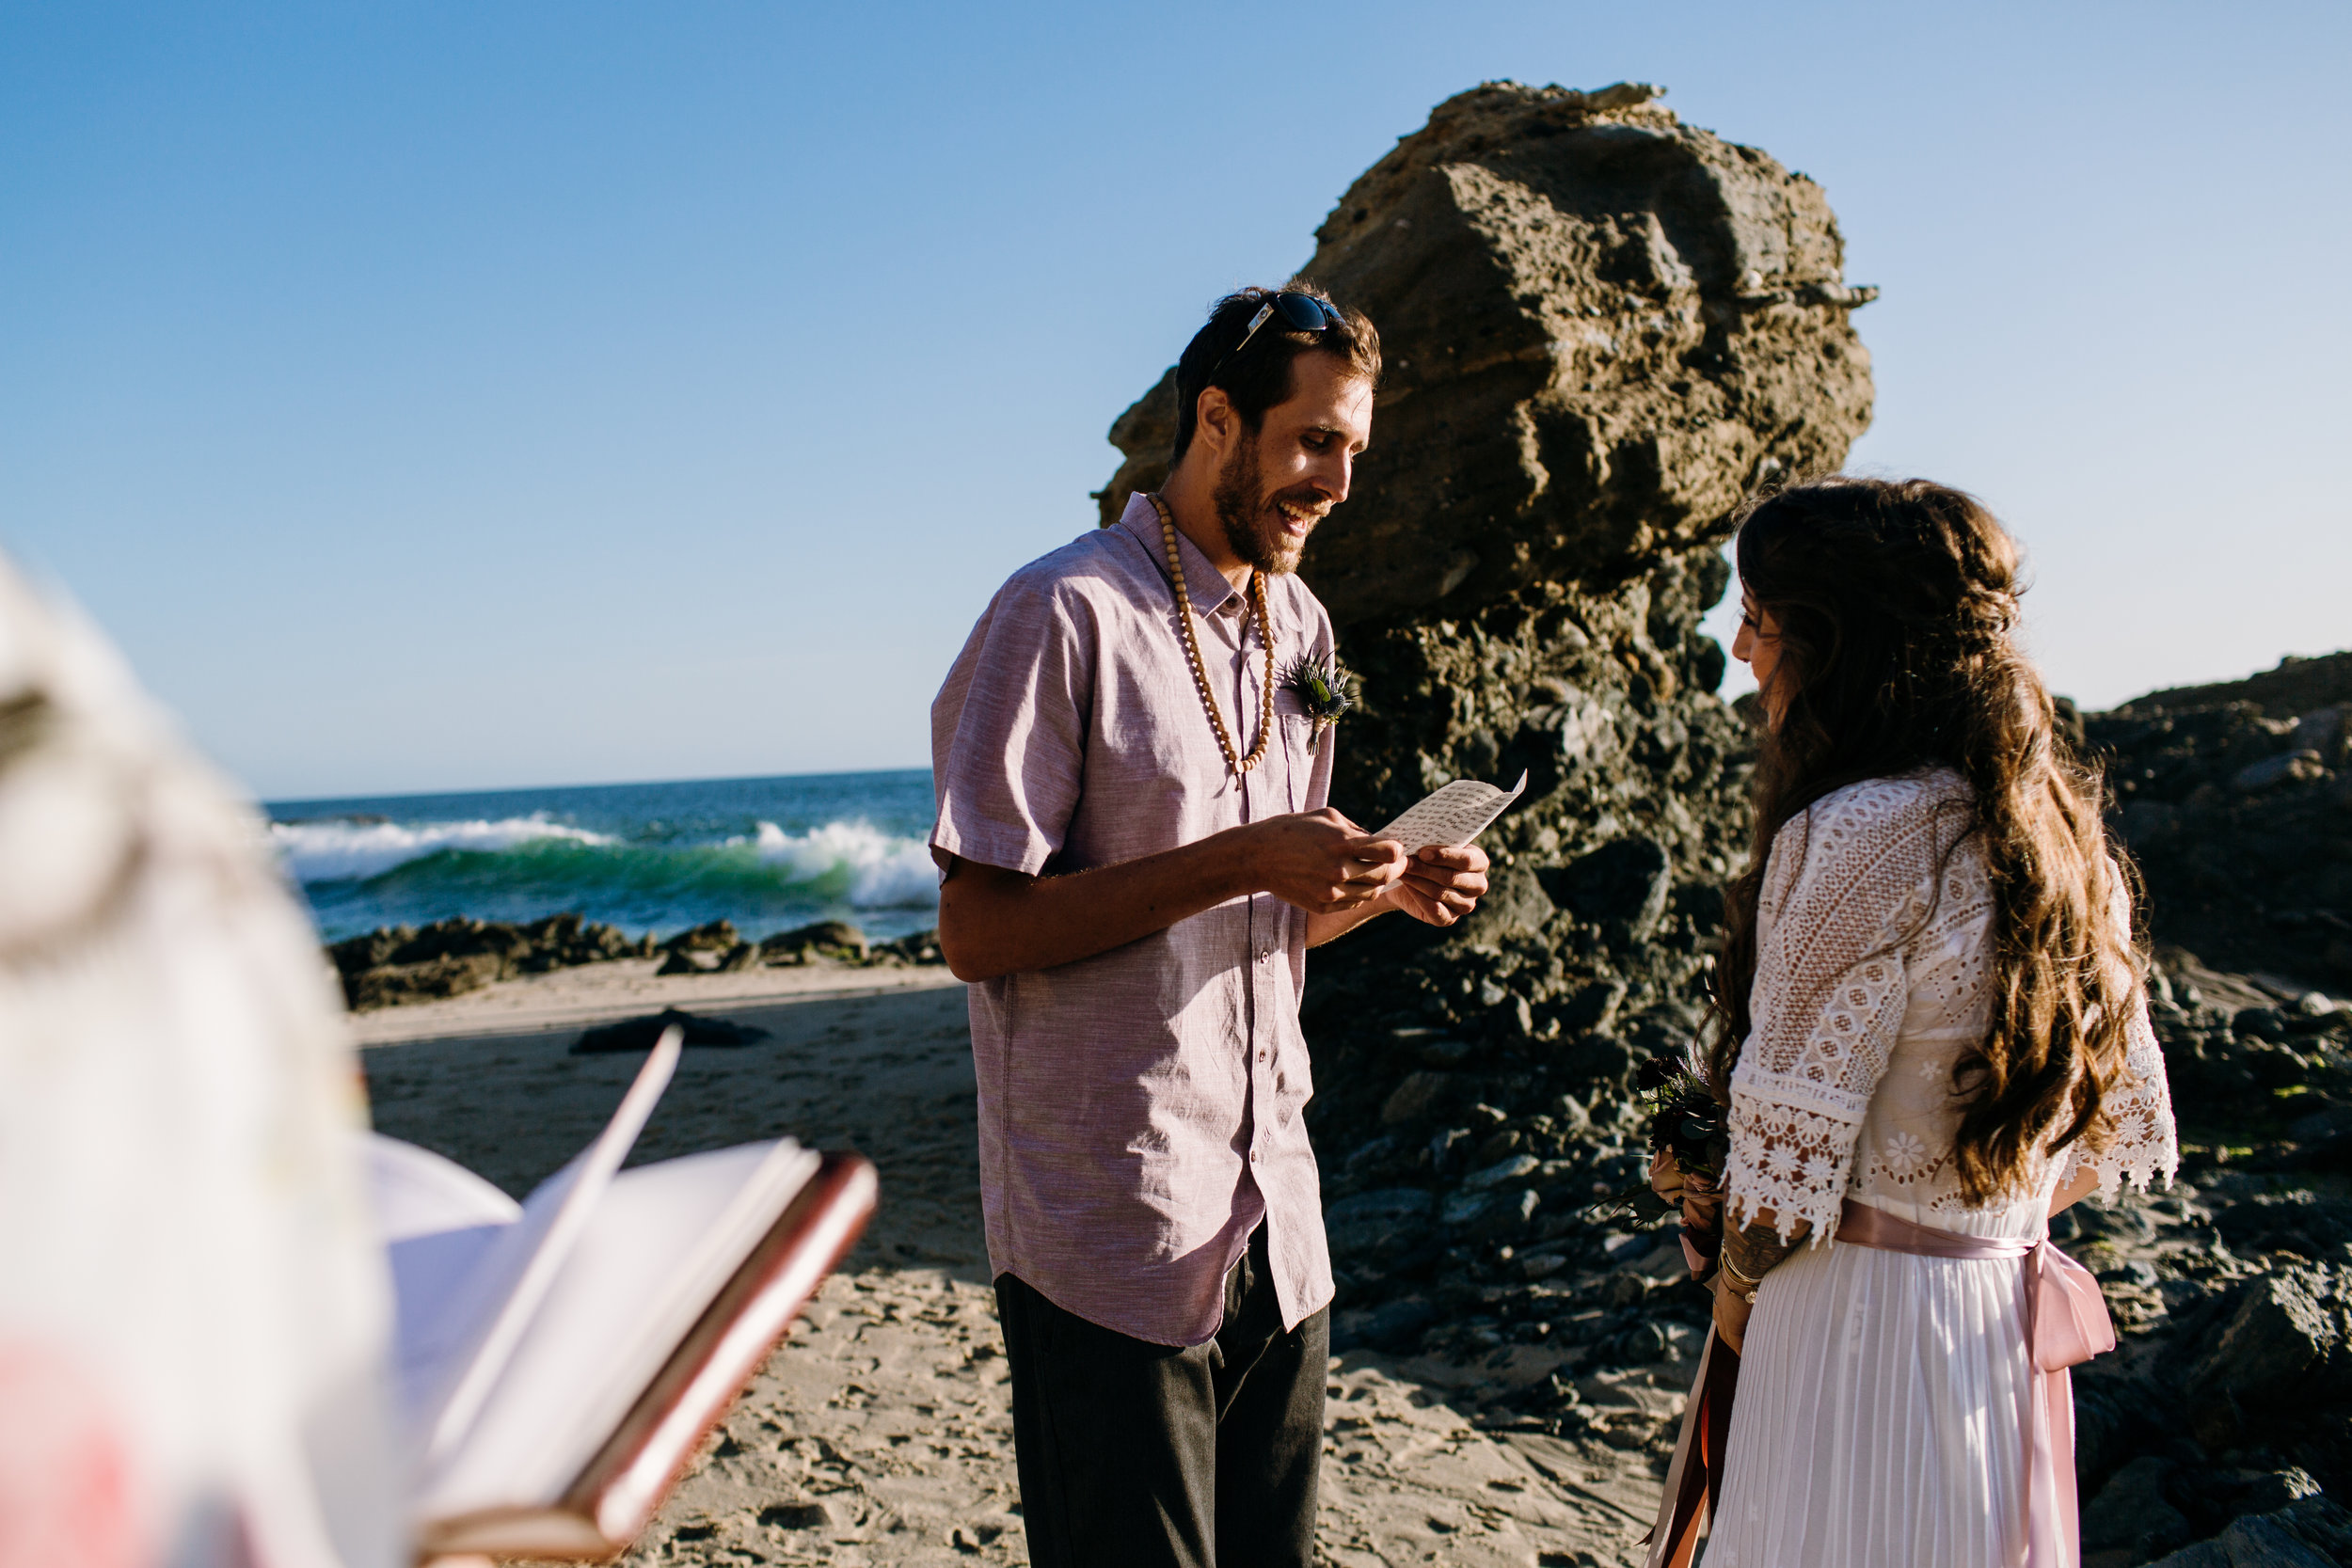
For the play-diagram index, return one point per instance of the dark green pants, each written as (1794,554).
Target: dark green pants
(1138,1455)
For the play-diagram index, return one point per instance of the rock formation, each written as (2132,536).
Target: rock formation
(2236,799)
(1603,328)
(397,964)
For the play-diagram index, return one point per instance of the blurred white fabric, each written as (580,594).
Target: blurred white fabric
(194,1309)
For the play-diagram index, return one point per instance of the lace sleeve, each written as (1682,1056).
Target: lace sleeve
(1828,998)
(2143,1143)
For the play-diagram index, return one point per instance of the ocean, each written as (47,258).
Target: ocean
(766,854)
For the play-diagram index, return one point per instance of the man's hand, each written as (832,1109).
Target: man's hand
(1321,862)
(1441,884)
(994,922)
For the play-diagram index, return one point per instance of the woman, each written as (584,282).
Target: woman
(1934,1016)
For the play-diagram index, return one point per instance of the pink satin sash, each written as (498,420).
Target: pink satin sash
(2066,1323)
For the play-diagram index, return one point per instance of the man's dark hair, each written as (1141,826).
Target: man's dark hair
(1259,377)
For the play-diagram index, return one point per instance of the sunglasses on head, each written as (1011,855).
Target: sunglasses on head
(1299,312)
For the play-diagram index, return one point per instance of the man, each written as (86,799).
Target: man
(1136,855)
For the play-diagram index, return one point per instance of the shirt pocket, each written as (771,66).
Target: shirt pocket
(1297,731)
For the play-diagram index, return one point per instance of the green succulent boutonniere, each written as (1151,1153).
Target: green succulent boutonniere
(1324,690)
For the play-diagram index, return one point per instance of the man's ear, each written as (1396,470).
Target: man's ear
(1214,418)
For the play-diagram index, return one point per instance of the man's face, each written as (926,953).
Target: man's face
(1277,484)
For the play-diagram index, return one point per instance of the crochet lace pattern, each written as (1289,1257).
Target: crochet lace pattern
(1873,933)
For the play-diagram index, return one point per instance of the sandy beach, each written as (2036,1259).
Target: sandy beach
(881,1432)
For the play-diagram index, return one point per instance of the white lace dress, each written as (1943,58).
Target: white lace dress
(1882,1396)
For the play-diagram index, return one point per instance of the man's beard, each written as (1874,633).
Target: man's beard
(1253,527)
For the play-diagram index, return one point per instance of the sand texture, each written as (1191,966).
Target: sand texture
(881,1432)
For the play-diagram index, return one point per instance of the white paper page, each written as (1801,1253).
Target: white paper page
(1452,815)
(437,1219)
(665,1238)
(416,1192)
(468,1342)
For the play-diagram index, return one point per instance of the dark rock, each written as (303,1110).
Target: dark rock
(1420,1094)
(397,964)
(2131,1511)
(2212,1498)
(827,938)
(1391,1326)
(2312,1533)
(742,956)
(2282,1355)
(717,936)
(1515,906)
(1625,883)
(920,947)
(639,1034)
(682,961)
(2292,768)
(451,974)
(1381,1223)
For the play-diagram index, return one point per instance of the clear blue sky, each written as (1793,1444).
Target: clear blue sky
(442,395)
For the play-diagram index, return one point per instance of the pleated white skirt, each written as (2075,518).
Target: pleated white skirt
(1881,1414)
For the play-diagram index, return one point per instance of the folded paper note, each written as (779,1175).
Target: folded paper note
(1453,815)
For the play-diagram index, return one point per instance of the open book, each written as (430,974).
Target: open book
(560,1359)
(1452,815)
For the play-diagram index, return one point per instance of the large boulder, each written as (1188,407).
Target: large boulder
(2284,1355)
(1603,329)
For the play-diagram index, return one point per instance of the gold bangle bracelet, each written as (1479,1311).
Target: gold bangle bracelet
(1737,1277)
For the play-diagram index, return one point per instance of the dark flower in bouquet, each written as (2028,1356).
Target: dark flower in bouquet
(1687,1128)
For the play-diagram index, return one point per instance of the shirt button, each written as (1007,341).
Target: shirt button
(1262,1055)
(1253,1156)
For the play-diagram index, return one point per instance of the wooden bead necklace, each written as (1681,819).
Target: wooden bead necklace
(1192,650)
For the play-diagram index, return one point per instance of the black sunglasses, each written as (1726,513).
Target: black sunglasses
(1299,312)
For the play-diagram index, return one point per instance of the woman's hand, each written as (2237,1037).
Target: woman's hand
(1731,1313)
(1702,1203)
(1665,1176)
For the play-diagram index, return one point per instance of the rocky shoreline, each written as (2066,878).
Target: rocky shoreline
(401,964)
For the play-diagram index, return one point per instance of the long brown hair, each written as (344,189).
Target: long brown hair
(1896,606)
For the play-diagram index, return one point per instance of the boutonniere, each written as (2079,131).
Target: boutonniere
(1324,690)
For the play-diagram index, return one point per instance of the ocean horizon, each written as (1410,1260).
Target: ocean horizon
(767,853)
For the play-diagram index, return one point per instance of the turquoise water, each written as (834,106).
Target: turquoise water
(765,853)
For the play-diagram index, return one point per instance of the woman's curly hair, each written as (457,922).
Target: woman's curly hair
(1897,607)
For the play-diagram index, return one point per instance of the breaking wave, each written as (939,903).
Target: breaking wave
(764,853)
(354,850)
(883,872)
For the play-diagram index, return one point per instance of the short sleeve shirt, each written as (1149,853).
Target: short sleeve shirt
(1140,1111)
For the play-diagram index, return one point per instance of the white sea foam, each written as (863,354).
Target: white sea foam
(353,851)
(886,872)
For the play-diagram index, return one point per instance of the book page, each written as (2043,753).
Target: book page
(1452,815)
(462,1347)
(437,1219)
(416,1192)
(664,1241)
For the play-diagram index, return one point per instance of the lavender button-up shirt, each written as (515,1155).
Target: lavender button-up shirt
(1139,1110)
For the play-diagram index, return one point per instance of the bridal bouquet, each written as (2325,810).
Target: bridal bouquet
(1689,1143)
